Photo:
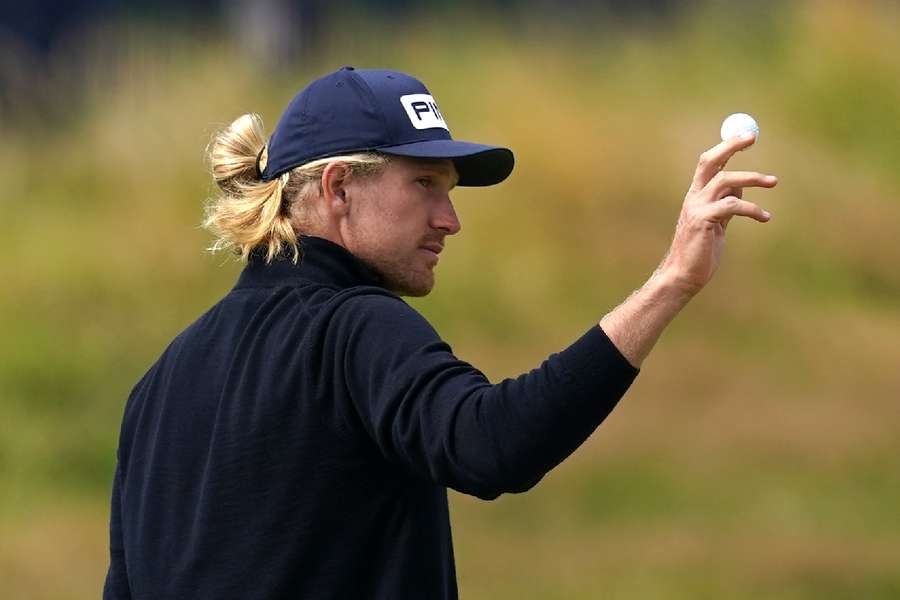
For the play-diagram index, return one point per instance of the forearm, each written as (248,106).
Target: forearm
(635,325)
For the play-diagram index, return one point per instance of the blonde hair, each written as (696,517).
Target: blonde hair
(251,213)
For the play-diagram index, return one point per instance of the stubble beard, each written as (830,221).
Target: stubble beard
(402,277)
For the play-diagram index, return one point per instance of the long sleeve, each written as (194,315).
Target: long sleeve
(116,586)
(441,418)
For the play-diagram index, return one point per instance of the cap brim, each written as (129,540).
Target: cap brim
(476,164)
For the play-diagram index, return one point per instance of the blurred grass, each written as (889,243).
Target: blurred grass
(757,453)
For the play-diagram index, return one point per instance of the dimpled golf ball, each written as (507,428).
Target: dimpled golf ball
(739,124)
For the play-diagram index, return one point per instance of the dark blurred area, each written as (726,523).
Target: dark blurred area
(39,25)
(46,46)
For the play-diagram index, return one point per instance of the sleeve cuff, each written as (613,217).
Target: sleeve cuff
(597,366)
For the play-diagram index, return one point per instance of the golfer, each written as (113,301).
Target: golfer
(298,439)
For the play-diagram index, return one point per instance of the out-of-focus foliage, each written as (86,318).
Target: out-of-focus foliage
(757,453)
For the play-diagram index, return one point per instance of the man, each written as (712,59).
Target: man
(297,440)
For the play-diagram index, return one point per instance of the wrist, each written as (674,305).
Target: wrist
(635,325)
(668,286)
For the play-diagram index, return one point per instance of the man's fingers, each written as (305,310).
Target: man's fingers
(714,160)
(725,181)
(728,207)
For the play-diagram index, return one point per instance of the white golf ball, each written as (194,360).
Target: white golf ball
(739,124)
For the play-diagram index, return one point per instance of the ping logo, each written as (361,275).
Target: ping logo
(423,111)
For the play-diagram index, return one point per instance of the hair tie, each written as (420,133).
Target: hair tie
(262,159)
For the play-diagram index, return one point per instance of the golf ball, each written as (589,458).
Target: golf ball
(739,124)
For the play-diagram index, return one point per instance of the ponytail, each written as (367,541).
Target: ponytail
(251,213)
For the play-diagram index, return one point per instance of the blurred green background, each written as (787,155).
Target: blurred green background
(757,454)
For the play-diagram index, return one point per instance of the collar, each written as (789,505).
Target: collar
(321,261)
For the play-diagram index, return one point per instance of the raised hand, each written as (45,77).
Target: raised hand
(715,196)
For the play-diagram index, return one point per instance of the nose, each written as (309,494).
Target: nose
(444,217)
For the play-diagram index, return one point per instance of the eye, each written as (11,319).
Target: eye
(425,182)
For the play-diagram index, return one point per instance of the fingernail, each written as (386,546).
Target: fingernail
(767,214)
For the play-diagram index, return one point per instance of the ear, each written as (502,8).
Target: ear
(335,178)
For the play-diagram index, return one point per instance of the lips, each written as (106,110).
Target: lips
(434,247)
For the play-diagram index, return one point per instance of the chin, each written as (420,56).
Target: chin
(398,278)
(414,291)
(415,286)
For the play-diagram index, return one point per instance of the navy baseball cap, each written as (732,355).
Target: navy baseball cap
(357,110)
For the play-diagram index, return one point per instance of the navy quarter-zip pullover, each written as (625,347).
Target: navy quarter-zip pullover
(298,440)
